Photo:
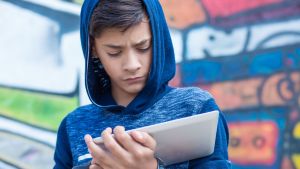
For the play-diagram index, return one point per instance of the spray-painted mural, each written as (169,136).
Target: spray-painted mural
(246,53)
(40,65)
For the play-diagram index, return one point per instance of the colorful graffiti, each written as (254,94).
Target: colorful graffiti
(39,80)
(247,55)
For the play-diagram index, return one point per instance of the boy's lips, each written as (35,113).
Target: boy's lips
(132,80)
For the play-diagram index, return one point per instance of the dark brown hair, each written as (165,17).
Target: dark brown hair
(121,14)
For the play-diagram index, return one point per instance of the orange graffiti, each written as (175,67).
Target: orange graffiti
(181,14)
(247,93)
(237,94)
(270,95)
(253,142)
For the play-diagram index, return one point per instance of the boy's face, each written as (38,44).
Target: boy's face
(126,57)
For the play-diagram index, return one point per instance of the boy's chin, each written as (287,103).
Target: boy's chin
(134,89)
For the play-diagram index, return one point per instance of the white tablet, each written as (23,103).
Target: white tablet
(182,139)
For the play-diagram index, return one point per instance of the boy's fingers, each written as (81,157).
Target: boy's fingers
(93,166)
(108,129)
(95,151)
(112,145)
(125,139)
(88,139)
(144,139)
(90,143)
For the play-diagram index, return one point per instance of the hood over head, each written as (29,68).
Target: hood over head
(162,68)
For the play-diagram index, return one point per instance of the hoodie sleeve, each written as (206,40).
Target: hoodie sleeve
(219,158)
(62,155)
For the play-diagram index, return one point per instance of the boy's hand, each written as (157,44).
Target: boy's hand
(134,150)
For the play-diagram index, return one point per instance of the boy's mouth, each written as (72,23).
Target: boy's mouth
(133,80)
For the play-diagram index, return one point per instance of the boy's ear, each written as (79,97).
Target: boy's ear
(92,47)
(93,51)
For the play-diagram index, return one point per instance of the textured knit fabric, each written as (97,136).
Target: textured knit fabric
(93,120)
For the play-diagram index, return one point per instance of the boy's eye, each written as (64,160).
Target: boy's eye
(144,49)
(114,54)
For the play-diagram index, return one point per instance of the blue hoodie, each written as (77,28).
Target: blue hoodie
(156,103)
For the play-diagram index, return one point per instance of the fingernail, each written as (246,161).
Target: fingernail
(119,128)
(108,129)
(88,138)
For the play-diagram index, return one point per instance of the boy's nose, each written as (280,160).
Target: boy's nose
(132,63)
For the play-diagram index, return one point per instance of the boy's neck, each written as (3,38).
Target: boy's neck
(122,98)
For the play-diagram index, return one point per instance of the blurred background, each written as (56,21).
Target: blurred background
(246,53)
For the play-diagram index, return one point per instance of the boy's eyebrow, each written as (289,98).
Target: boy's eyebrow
(113,46)
(142,42)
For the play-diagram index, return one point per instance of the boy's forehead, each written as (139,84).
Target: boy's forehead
(136,34)
(142,26)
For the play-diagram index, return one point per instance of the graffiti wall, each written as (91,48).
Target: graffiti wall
(40,79)
(246,53)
